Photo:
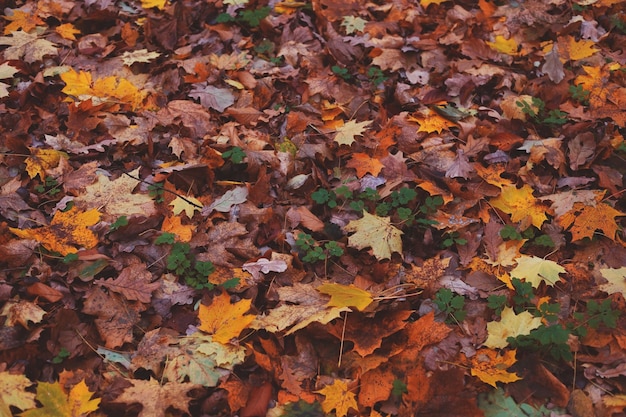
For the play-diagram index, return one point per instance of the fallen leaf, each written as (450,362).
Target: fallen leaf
(264,266)
(140,55)
(67,31)
(510,325)
(224,320)
(537,270)
(363,164)
(223,204)
(189,205)
(521,204)
(616,278)
(338,397)
(27,46)
(155,397)
(212,97)
(20,19)
(346,133)
(116,198)
(491,367)
(375,232)
(13,393)
(42,160)
(346,296)
(504,45)
(67,231)
(134,283)
(583,220)
(76,403)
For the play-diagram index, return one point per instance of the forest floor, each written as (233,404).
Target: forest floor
(384,208)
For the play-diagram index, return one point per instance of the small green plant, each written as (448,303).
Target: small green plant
(235,154)
(597,314)
(509,232)
(50,186)
(251,18)
(181,262)
(451,305)
(156,191)
(376,75)
(552,336)
(453,238)
(120,222)
(536,109)
(341,72)
(61,356)
(579,94)
(313,251)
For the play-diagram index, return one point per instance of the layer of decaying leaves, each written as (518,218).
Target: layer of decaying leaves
(148,143)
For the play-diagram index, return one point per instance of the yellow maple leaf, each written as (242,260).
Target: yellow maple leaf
(377,233)
(76,403)
(339,398)
(346,133)
(225,320)
(188,204)
(510,325)
(583,220)
(616,278)
(41,160)
(491,367)
(521,205)
(21,20)
(579,49)
(13,393)
(535,270)
(504,45)
(67,31)
(67,231)
(346,296)
(148,4)
(426,3)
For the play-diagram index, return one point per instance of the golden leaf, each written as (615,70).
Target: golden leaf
(56,402)
(67,231)
(346,296)
(490,367)
(41,160)
(225,320)
(183,232)
(148,4)
(521,204)
(67,31)
(504,45)
(339,398)
(13,393)
(21,20)
(584,220)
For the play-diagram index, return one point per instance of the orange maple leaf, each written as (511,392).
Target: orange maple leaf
(584,220)
(67,31)
(23,20)
(490,367)
(338,397)
(225,320)
(431,122)
(41,160)
(363,163)
(67,231)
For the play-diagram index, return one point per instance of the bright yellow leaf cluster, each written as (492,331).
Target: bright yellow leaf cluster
(81,86)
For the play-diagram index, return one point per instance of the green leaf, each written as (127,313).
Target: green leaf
(165,238)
